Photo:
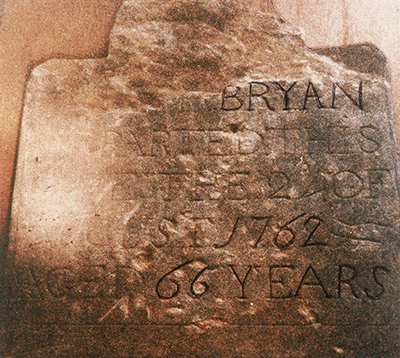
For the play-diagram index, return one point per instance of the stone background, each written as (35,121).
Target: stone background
(76,149)
(104,208)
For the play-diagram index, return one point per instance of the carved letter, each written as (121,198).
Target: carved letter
(286,94)
(60,282)
(376,181)
(276,277)
(286,236)
(242,283)
(263,227)
(232,98)
(382,289)
(312,93)
(358,104)
(347,280)
(195,285)
(261,95)
(373,140)
(91,282)
(175,290)
(312,280)
(347,185)
(278,181)
(161,146)
(235,226)
(310,241)
(135,142)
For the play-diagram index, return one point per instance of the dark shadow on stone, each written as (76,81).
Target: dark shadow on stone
(364,57)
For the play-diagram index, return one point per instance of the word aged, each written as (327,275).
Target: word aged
(281,281)
(263,94)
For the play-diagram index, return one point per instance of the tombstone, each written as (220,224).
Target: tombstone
(212,188)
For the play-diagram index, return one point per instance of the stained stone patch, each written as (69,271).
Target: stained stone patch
(212,188)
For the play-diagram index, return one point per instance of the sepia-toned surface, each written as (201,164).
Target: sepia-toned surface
(212,188)
(347,22)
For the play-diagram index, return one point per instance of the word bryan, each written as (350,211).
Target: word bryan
(275,96)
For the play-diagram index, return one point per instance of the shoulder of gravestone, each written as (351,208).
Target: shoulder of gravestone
(363,57)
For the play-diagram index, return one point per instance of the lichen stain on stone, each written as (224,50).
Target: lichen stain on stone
(175,48)
(212,14)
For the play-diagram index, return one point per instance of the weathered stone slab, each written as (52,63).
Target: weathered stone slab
(212,177)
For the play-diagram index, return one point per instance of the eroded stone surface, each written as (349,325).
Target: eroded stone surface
(211,178)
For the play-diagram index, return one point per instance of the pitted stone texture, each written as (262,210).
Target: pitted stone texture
(212,176)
